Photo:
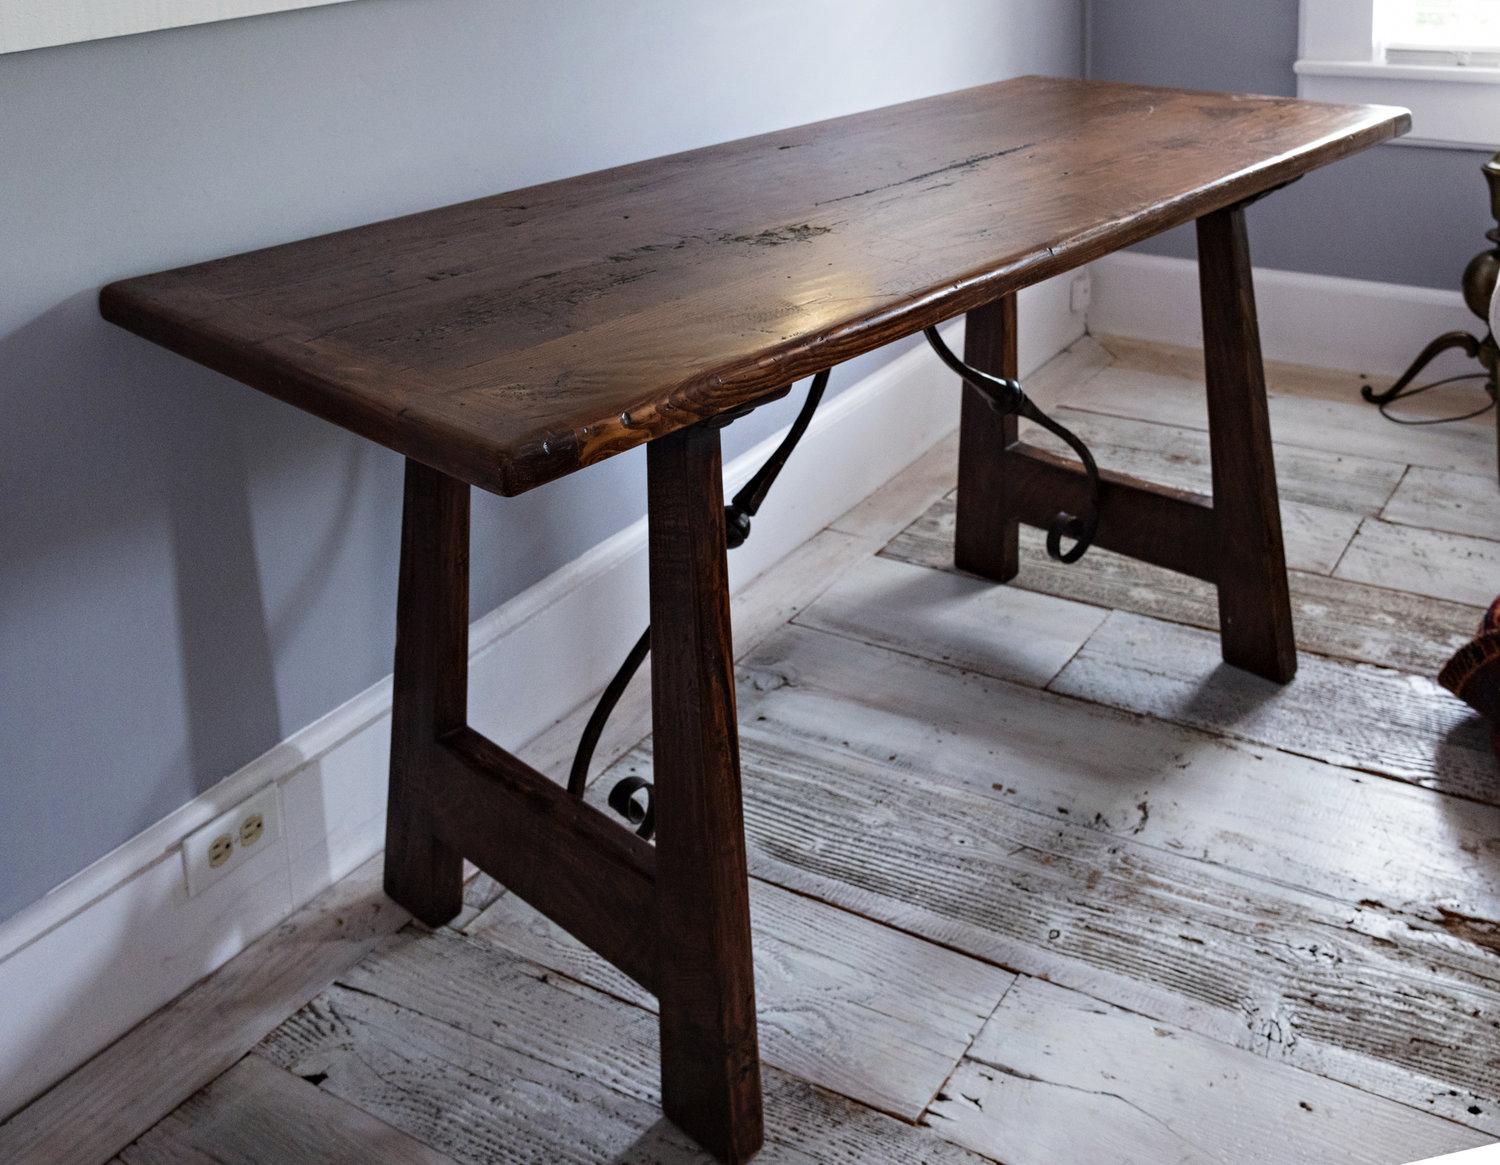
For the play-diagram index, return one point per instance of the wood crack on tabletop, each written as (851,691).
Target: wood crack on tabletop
(965,164)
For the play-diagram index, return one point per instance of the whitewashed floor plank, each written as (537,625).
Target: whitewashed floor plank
(1002,631)
(1349,714)
(1075,365)
(527,1094)
(1179,457)
(843,1002)
(1284,819)
(257,1113)
(879,516)
(1301,380)
(1282,378)
(1425,562)
(123,1091)
(1460,503)
(546,1070)
(516,928)
(1332,616)
(1394,1006)
(1315,538)
(1341,425)
(1056,1076)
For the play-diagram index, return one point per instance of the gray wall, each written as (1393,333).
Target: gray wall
(1400,214)
(191,571)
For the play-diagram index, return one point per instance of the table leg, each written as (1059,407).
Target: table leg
(1255,614)
(986,532)
(710,1058)
(431,689)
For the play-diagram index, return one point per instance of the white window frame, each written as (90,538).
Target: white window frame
(35,24)
(1457,106)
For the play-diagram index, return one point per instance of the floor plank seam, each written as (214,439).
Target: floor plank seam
(1046,686)
(548,974)
(369,1115)
(1283,750)
(1385,505)
(941,1089)
(940,944)
(1408,525)
(1126,1008)
(1333,571)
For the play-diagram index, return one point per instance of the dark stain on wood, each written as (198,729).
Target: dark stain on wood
(966,164)
(1482,932)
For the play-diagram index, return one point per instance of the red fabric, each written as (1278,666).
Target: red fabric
(1473,674)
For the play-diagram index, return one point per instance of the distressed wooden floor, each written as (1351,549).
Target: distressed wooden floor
(1036,878)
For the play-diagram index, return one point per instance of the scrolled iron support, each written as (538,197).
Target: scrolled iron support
(631,799)
(631,796)
(1007,398)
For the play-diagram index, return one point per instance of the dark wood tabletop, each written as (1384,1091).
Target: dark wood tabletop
(511,340)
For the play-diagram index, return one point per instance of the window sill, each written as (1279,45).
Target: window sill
(1453,106)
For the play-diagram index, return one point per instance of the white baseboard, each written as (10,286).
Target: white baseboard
(111,945)
(1353,325)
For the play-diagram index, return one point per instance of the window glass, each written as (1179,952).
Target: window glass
(1456,24)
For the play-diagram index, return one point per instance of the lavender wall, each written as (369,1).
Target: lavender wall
(190,571)
(1398,214)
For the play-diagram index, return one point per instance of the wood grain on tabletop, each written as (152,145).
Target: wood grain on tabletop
(513,339)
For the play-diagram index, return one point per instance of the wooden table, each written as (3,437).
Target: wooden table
(515,339)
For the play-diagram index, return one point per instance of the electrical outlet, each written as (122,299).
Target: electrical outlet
(1080,292)
(231,840)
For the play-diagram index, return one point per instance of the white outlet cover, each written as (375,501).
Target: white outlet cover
(195,846)
(1080,292)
